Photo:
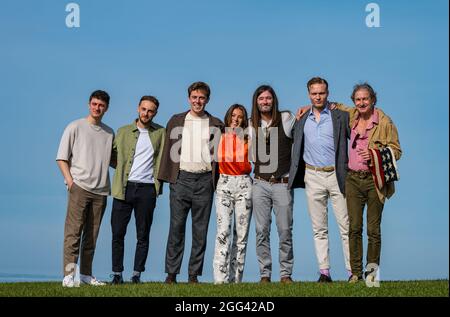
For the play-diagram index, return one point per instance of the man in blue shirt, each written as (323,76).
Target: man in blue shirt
(319,160)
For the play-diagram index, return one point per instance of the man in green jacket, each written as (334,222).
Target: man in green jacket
(136,157)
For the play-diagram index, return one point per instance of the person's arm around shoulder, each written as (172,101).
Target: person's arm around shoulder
(346,121)
(219,124)
(162,132)
(117,145)
(302,111)
(288,120)
(159,156)
(164,153)
(113,161)
(350,110)
(341,106)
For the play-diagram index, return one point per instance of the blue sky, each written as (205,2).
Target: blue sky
(152,47)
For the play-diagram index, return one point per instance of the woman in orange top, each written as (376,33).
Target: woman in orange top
(233,197)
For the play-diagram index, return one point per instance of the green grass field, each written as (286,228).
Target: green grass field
(436,288)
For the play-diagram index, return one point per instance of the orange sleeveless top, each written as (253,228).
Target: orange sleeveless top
(233,155)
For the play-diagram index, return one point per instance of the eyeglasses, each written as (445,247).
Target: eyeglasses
(354,141)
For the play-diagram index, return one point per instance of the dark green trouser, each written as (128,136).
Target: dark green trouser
(360,190)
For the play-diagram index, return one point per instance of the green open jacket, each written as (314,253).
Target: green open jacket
(124,146)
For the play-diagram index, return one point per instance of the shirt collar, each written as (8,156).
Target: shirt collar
(374,119)
(325,110)
(135,128)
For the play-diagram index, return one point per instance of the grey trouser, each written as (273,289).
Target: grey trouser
(191,192)
(265,197)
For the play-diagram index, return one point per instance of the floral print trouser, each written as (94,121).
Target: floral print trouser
(233,198)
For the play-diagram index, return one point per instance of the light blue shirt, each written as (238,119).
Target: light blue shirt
(319,139)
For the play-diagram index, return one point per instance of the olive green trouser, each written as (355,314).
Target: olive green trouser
(360,191)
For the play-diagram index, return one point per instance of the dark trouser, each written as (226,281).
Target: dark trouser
(360,190)
(142,198)
(190,192)
(84,215)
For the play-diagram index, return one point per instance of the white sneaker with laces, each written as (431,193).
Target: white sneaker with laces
(68,281)
(90,280)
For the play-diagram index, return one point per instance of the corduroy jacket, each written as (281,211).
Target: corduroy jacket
(383,134)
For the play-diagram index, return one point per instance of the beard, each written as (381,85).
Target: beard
(143,122)
(265,108)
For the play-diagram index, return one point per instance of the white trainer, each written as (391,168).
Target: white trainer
(90,280)
(68,281)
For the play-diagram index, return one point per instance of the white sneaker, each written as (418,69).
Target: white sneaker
(90,280)
(68,281)
(370,278)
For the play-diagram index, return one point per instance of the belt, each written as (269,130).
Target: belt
(195,174)
(273,180)
(360,174)
(320,169)
(137,184)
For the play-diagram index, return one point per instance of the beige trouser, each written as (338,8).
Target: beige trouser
(84,215)
(319,187)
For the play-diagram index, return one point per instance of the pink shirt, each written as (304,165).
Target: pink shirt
(357,141)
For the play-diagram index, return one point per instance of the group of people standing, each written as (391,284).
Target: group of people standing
(324,148)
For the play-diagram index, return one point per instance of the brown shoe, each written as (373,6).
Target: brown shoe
(193,279)
(286,280)
(265,279)
(355,279)
(171,278)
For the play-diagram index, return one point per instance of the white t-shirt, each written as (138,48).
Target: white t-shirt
(87,148)
(195,153)
(142,168)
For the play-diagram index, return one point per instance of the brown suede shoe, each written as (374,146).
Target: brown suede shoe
(264,280)
(286,280)
(171,278)
(193,279)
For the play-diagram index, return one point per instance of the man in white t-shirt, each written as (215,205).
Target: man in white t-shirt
(192,173)
(83,157)
(136,156)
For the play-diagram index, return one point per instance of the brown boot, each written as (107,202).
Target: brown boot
(286,280)
(171,278)
(193,279)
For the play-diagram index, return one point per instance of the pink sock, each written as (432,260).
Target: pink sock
(325,272)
